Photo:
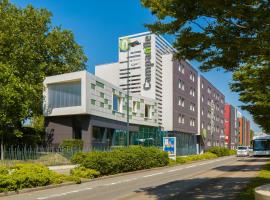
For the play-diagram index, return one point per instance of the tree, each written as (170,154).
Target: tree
(220,34)
(253,84)
(30,49)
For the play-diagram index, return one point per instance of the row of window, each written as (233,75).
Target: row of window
(181,120)
(181,69)
(117,105)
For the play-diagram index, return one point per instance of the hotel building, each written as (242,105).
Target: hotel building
(80,105)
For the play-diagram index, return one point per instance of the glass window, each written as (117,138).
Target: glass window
(93,86)
(134,106)
(117,103)
(99,84)
(64,94)
(93,101)
(147,111)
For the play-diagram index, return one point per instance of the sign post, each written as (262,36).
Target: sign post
(169,145)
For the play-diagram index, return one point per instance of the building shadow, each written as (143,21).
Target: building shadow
(222,188)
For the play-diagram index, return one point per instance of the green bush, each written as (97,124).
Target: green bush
(72,144)
(3,170)
(232,152)
(83,172)
(122,159)
(219,151)
(30,175)
(190,158)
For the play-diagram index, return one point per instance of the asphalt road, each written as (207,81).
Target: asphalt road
(221,178)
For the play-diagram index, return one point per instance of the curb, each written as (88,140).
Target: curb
(27,190)
(83,180)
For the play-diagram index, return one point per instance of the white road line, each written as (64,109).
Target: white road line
(153,174)
(63,194)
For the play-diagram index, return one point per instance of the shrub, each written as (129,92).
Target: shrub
(190,158)
(122,159)
(219,151)
(3,170)
(30,175)
(72,144)
(232,152)
(83,172)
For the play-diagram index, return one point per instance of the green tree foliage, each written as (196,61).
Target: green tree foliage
(233,35)
(253,84)
(30,49)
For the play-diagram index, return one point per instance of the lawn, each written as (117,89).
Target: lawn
(262,179)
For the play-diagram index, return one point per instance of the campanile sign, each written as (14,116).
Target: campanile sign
(148,63)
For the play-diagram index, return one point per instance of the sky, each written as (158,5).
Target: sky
(97,25)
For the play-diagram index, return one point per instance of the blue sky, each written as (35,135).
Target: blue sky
(98,24)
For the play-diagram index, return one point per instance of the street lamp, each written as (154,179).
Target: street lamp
(124,46)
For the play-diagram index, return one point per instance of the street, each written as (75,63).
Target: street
(221,178)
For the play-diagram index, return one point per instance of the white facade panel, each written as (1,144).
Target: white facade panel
(97,99)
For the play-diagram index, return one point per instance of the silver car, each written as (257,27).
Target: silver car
(242,151)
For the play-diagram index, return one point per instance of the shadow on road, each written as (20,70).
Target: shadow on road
(254,159)
(191,189)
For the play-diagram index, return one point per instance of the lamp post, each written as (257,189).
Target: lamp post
(124,46)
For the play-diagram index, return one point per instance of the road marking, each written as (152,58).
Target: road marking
(63,194)
(153,174)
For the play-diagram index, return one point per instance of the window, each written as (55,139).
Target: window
(192,107)
(181,101)
(134,106)
(181,119)
(102,104)
(181,84)
(181,68)
(76,128)
(192,122)
(93,101)
(64,94)
(102,95)
(147,111)
(117,103)
(93,86)
(202,112)
(202,98)
(99,84)
(209,90)
(202,84)
(192,92)
(192,77)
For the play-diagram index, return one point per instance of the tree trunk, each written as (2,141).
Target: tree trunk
(2,148)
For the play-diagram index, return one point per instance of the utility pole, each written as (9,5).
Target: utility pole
(124,46)
(128,97)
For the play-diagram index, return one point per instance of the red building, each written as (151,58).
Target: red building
(231,126)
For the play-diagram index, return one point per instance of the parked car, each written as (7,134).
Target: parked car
(242,151)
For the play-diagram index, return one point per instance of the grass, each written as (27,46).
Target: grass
(262,179)
(49,159)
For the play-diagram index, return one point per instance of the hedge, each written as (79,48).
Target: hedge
(221,151)
(191,158)
(83,172)
(29,176)
(72,144)
(122,159)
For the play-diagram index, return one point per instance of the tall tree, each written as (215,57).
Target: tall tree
(220,34)
(30,49)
